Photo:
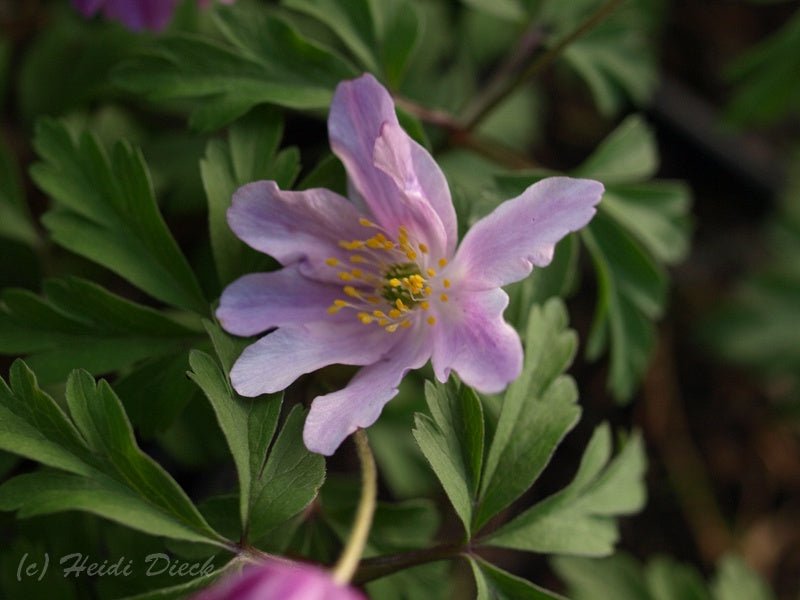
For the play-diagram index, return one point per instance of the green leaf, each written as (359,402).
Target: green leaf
(627,155)
(15,220)
(78,323)
(632,293)
(263,61)
(511,10)
(619,577)
(736,581)
(272,488)
(452,441)
(250,154)
(495,584)
(104,209)
(108,474)
(538,410)
(400,38)
(580,519)
(766,78)
(352,22)
(667,579)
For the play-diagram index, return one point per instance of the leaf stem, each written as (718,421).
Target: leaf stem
(501,87)
(381,566)
(348,562)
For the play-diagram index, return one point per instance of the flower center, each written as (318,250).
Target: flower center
(387,282)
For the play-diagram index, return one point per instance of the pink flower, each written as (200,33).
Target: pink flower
(377,281)
(135,14)
(279,581)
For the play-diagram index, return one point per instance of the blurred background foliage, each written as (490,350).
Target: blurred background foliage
(685,291)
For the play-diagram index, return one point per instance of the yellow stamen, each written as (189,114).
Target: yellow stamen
(442,263)
(424,305)
(383,322)
(354,245)
(431,320)
(373,300)
(339,303)
(400,305)
(366,222)
(355,258)
(395,282)
(344,276)
(411,255)
(423,248)
(332,310)
(351,291)
(357,273)
(392,328)
(428,291)
(431,272)
(394,313)
(443,298)
(331,262)
(365,318)
(378,314)
(446,283)
(388,245)
(405,324)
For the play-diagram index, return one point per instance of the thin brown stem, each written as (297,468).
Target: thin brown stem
(381,566)
(495,93)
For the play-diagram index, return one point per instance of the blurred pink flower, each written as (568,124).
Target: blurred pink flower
(279,581)
(377,281)
(135,14)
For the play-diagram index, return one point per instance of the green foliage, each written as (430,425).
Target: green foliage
(493,583)
(537,412)
(15,222)
(622,577)
(643,225)
(767,85)
(93,461)
(79,322)
(263,60)
(104,209)
(273,486)
(250,154)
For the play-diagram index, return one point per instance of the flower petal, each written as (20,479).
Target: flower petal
(295,227)
(277,359)
(472,338)
(87,7)
(504,246)
(140,14)
(335,416)
(396,177)
(259,301)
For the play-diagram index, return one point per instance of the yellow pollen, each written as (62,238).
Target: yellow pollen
(354,245)
(356,273)
(428,291)
(339,303)
(394,313)
(366,222)
(383,322)
(344,276)
(374,244)
(400,305)
(378,314)
(332,310)
(405,324)
(411,255)
(355,258)
(365,318)
(423,248)
(392,328)
(395,282)
(373,300)
(402,231)
(388,245)
(446,283)
(331,262)
(431,320)
(424,305)
(442,263)
(351,291)
(431,272)
(443,298)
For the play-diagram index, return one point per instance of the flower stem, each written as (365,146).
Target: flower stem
(500,89)
(348,562)
(381,566)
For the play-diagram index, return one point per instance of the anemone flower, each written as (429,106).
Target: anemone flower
(275,580)
(376,281)
(136,15)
